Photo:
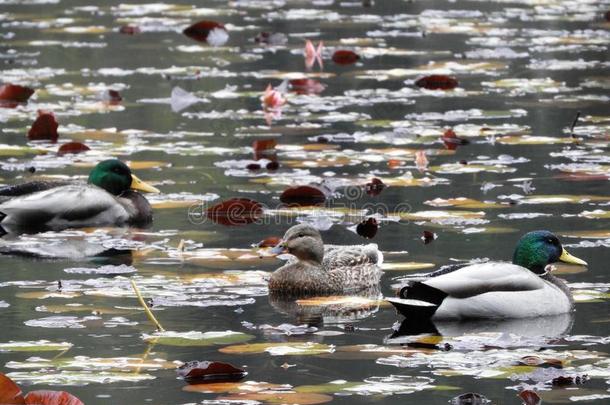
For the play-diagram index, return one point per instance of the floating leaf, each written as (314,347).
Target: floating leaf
(529,397)
(428,237)
(303,196)
(10,393)
(195,372)
(280,349)
(374,187)
(271,241)
(437,82)
(13,93)
(195,338)
(73,148)
(279,397)
(367,228)
(405,266)
(129,29)
(345,57)
(34,346)
(44,127)
(211,32)
(51,398)
(306,86)
(235,212)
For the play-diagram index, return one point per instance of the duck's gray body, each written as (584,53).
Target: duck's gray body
(488,290)
(70,206)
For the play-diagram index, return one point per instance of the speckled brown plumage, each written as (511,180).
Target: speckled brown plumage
(319,270)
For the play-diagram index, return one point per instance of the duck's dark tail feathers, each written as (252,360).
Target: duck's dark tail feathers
(418,300)
(2,230)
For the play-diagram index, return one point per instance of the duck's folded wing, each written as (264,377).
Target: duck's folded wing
(74,205)
(346,256)
(18,190)
(487,277)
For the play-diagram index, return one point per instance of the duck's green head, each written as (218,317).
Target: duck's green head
(535,250)
(115,177)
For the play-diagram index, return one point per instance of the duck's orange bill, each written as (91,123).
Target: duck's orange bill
(137,184)
(568,258)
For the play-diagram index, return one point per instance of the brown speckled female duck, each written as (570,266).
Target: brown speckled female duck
(320,270)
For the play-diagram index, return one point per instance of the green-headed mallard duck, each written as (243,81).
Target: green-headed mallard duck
(323,270)
(108,199)
(521,289)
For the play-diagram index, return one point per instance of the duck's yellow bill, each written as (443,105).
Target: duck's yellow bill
(137,184)
(568,258)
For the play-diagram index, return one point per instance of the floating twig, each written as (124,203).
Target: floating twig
(574,124)
(146,309)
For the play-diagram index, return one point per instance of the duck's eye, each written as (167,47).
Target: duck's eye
(300,235)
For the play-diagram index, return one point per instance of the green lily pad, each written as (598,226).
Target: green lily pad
(195,338)
(35,346)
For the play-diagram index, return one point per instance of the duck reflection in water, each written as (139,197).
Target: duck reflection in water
(316,270)
(489,332)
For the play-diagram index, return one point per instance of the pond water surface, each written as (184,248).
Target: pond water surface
(524,68)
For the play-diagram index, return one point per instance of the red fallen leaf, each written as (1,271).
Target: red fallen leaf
(428,237)
(72,147)
(393,163)
(15,93)
(451,140)
(306,86)
(264,144)
(374,187)
(196,372)
(303,196)
(271,241)
(44,128)
(470,398)
(264,148)
(200,30)
(236,211)
(529,397)
(129,30)
(367,228)
(437,82)
(345,57)
(51,398)
(10,393)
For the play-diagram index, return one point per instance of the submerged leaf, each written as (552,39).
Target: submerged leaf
(195,372)
(235,212)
